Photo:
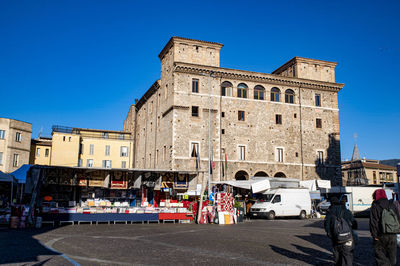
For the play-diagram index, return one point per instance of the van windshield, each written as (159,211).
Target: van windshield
(266,197)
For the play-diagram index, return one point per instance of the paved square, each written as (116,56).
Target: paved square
(255,242)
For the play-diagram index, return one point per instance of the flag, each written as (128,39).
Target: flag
(226,162)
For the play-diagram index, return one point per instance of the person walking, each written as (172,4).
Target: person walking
(338,223)
(384,241)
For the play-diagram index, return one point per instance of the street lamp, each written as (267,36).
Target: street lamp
(210,75)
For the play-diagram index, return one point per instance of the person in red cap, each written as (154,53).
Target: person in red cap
(384,244)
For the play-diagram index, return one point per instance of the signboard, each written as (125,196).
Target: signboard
(181,181)
(118,181)
(96,183)
(82,182)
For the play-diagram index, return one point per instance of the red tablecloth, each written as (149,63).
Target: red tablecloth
(175,216)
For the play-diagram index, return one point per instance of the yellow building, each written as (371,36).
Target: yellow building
(84,147)
(40,151)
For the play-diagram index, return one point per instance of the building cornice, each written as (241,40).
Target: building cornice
(244,75)
(175,107)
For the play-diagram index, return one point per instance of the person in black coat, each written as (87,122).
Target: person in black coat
(385,248)
(342,253)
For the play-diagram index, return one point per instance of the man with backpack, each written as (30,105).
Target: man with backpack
(339,223)
(384,225)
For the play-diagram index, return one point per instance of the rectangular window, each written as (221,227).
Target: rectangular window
(121,136)
(15,160)
(124,151)
(241,115)
(195,85)
(91,149)
(223,114)
(107,152)
(320,157)
(89,163)
(195,111)
(242,152)
(46,153)
(106,163)
(37,152)
(2,134)
(222,131)
(317,99)
(374,176)
(104,135)
(79,162)
(194,149)
(318,123)
(1,158)
(278,119)
(18,137)
(123,164)
(279,155)
(258,94)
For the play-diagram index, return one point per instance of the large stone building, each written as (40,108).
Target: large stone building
(284,124)
(82,147)
(15,141)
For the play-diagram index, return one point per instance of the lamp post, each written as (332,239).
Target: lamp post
(210,75)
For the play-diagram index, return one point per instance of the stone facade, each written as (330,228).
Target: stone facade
(282,124)
(15,141)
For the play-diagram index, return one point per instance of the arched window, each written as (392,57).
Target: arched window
(242,90)
(289,96)
(259,92)
(275,94)
(226,88)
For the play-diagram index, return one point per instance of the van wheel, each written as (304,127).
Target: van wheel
(271,215)
(302,215)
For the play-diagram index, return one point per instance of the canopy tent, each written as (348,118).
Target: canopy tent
(259,184)
(7,178)
(20,173)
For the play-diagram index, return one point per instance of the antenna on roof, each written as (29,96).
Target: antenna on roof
(40,132)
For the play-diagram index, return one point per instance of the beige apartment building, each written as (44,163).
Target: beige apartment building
(15,139)
(284,124)
(82,147)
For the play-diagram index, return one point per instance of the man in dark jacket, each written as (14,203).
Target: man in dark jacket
(384,244)
(342,253)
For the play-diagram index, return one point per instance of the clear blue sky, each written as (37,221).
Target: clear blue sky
(82,63)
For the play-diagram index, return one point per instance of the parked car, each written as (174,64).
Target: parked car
(282,202)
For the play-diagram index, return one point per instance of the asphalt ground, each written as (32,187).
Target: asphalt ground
(254,242)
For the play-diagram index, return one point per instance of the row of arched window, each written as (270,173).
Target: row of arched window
(259,92)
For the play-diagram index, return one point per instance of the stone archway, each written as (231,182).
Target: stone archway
(279,174)
(241,175)
(261,173)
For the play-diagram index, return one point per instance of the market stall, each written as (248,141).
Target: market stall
(68,194)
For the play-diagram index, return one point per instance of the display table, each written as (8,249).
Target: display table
(175,216)
(60,218)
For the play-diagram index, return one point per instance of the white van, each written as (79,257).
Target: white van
(283,202)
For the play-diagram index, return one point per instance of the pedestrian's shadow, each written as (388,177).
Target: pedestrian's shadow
(307,254)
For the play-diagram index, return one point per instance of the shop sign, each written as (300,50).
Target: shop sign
(181,181)
(96,183)
(118,184)
(82,182)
